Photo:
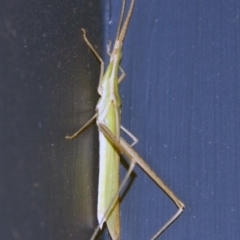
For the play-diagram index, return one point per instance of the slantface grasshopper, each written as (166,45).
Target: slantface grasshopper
(108,119)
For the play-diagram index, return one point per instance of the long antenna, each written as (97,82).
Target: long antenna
(125,25)
(121,19)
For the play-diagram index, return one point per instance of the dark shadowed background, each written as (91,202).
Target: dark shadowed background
(181,99)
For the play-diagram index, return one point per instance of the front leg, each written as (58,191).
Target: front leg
(98,58)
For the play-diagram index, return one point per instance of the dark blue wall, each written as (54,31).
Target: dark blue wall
(181,98)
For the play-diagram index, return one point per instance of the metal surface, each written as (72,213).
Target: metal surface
(48,90)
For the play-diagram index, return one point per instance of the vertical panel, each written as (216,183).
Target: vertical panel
(48,89)
(181,99)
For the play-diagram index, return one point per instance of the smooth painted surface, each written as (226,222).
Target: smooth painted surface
(181,98)
(48,90)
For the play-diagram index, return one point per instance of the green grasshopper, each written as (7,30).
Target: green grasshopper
(108,119)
